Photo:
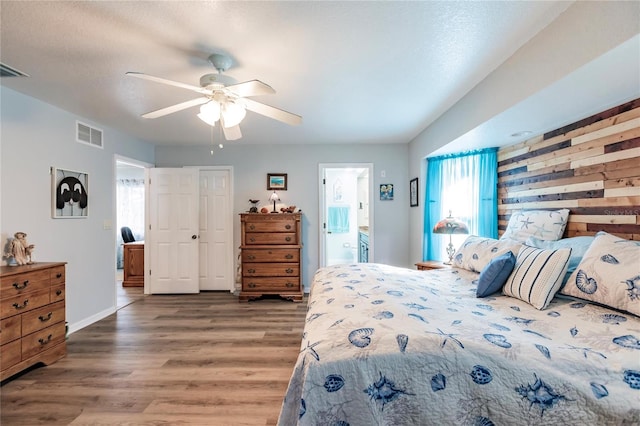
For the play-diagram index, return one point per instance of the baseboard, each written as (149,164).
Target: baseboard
(88,321)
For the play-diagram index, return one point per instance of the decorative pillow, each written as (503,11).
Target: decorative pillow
(578,246)
(476,252)
(495,274)
(609,274)
(537,275)
(546,225)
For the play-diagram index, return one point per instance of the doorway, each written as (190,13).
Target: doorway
(346,219)
(130,201)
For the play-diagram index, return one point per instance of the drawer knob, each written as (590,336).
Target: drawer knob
(287,239)
(289,285)
(58,292)
(289,256)
(289,271)
(252,239)
(45,341)
(251,285)
(58,275)
(287,226)
(22,286)
(24,304)
(251,270)
(251,257)
(251,227)
(46,318)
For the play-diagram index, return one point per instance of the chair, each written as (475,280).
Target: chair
(127,235)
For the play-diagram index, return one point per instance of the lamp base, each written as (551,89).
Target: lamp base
(450,252)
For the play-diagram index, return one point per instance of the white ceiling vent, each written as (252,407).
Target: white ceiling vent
(7,71)
(88,135)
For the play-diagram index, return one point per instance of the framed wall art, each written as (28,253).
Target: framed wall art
(277,181)
(69,194)
(413,192)
(386,192)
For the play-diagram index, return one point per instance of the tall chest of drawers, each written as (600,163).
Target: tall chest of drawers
(32,316)
(271,246)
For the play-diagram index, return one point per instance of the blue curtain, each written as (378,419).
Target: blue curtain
(466,185)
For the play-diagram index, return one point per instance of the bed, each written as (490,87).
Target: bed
(384,345)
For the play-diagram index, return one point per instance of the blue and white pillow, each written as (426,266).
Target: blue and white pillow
(609,274)
(546,225)
(537,275)
(476,252)
(495,274)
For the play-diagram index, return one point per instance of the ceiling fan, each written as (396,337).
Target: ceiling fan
(223,100)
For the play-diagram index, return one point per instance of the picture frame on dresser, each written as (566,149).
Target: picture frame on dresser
(276,181)
(69,194)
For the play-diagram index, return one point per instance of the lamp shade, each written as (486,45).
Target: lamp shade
(274,197)
(210,113)
(450,225)
(232,114)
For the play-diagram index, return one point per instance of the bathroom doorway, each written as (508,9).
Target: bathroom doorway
(345,214)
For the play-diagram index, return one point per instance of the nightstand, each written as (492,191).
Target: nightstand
(431,264)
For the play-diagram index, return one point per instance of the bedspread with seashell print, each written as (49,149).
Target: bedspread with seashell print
(391,346)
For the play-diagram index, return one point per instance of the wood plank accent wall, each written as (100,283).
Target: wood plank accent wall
(591,167)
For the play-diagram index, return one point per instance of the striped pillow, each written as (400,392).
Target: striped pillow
(537,275)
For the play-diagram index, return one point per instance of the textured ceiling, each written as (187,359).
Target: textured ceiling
(356,71)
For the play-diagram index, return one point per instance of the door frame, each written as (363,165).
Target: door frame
(322,233)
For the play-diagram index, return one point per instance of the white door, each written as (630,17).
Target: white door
(171,260)
(216,231)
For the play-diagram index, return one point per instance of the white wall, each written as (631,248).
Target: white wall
(35,136)
(252,163)
(585,31)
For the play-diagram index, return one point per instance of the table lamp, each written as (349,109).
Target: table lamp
(274,197)
(450,226)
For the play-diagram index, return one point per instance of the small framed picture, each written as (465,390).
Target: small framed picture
(386,192)
(69,194)
(413,192)
(277,181)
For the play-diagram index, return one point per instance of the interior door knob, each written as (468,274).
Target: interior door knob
(194,237)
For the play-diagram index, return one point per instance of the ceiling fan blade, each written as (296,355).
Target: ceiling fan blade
(232,133)
(168,82)
(175,108)
(272,112)
(251,88)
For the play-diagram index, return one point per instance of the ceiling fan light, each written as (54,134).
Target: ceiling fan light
(232,114)
(210,113)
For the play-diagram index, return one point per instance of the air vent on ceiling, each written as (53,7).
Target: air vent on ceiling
(7,71)
(88,135)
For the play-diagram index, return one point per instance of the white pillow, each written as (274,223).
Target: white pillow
(578,245)
(609,274)
(476,252)
(546,225)
(537,275)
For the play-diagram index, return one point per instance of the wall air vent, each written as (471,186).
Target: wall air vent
(7,71)
(88,135)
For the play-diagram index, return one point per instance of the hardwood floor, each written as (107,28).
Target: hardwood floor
(200,359)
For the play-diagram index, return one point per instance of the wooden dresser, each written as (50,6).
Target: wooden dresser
(32,316)
(271,245)
(133,258)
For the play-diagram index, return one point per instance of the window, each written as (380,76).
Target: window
(466,185)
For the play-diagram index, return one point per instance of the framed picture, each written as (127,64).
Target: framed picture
(386,192)
(69,194)
(277,181)
(413,192)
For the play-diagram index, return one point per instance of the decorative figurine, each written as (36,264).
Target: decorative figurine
(20,249)
(254,208)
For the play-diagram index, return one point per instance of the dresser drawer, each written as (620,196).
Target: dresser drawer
(10,329)
(282,238)
(57,293)
(271,255)
(271,226)
(14,285)
(41,318)
(42,340)
(271,284)
(270,270)
(57,275)
(10,354)
(24,303)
